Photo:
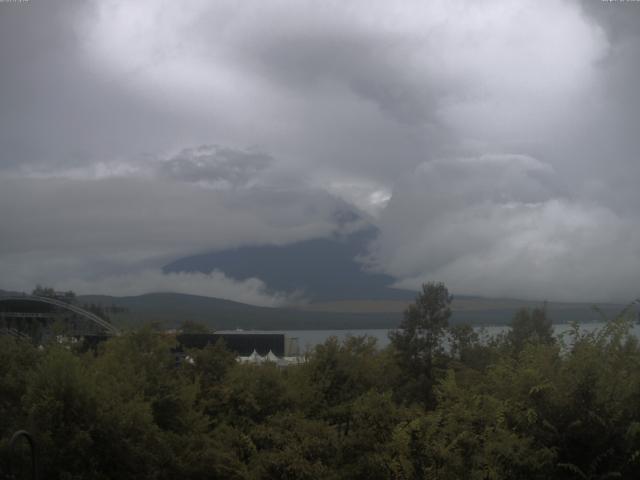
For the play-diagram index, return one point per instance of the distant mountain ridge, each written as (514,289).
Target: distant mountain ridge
(322,269)
(170,309)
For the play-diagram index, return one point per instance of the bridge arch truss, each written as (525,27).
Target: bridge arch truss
(93,319)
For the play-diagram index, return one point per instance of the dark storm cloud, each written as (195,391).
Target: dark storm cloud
(494,144)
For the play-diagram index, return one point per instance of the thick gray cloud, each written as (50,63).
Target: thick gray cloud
(493,143)
(498,226)
(217,166)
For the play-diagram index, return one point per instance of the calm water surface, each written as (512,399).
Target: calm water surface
(307,339)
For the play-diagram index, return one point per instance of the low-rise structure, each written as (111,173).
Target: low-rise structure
(249,346)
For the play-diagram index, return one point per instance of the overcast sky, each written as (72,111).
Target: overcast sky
(494,144)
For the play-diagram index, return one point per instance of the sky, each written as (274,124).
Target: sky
(495,145)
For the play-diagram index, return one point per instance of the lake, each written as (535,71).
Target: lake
(308,339)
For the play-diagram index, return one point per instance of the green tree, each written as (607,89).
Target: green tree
(531,326)
(41,291)
(339,372)
(211,366)
(291,447)
(462,339)
(191,326)
(17,358)
(418,341)
(255,392)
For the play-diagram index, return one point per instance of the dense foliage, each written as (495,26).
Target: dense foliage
(524,405)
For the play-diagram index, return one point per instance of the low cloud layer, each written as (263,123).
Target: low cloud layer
(152,280)
(216,284)
(493,144)
(107,232)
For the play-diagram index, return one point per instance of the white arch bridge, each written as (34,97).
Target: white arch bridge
(12,317)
